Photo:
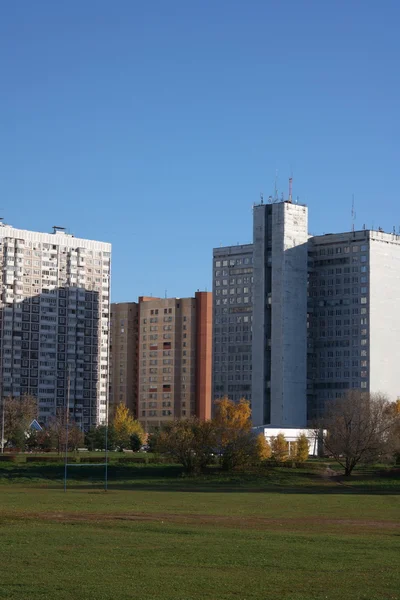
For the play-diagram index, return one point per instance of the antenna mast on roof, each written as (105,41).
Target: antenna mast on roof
(276,186)
(353,214)
(290,188)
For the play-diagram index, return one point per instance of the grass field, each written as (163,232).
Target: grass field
(289,534)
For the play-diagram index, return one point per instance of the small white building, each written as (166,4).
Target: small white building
(291,434)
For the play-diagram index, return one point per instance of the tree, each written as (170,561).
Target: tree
(135,442)
(232,416)
(189,442)
(279,448)
(96,438)
(18,415)
(125,425)
(263,448)
(360,428)
(44,440)
(152,440)
(32,440)
(302,448)
(75,437)
(56,428)
(234,440)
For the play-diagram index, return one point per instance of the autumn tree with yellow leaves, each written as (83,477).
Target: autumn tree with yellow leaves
(280,448)
(302,448)
(125,426)
(237,445)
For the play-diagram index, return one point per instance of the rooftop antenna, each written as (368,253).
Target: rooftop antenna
(353,214)
(262,198)
(290,188)
(165,294)
(276,186)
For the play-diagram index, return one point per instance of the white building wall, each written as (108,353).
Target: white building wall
(384,314)
(291,436)
(289,315)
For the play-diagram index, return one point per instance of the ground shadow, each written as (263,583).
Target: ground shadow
(162,478)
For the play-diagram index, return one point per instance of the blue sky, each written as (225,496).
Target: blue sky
(155,125)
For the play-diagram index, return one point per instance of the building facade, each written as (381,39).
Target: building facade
(260,317)
(124,331)
(233,314)
(318,316)
(354,325)
(54,320)
(279,348)
(165,354)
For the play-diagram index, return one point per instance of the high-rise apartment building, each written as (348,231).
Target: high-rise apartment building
(233,313)
(54,319)
(354,324)
(161,357)
(124,331)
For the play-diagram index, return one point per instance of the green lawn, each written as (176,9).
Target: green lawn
(288,534)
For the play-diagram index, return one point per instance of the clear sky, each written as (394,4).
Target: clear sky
(156,124)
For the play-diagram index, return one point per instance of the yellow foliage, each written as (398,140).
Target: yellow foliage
(263,448)
(235,415)
(280,448)
(125,425)
(302,448)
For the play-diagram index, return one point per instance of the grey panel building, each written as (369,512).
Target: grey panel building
(260,317)
(280,315)
(320,317)
(354,324)
(232,324)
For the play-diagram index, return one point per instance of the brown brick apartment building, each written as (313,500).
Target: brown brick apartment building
(161,357)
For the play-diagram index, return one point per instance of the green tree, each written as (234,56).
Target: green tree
(189,442)
(135,442)
(95,438)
